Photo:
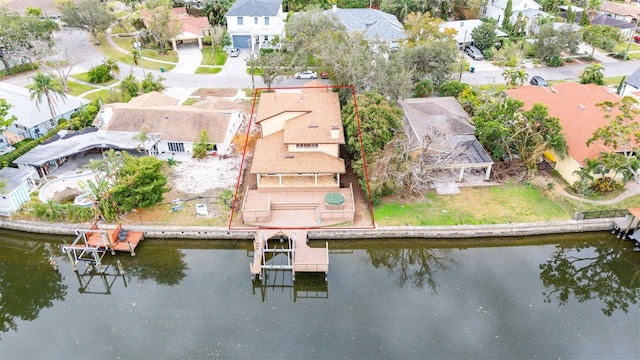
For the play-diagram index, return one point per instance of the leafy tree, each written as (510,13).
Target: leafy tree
(484,36)
(434,60)
(422,27)
(507,26)
(200,148)
(33,11)
(24,38)
(584,19)
(622,133)
(140,183)
(90,15)
(215,11)
(150,83)
(602,36)
(444,9)
(161,24)
(510,54)
(271,65)
(550,43)
(467,9)
(592,74)
(452,88)
(571,15)
(5,119)
(379,122)
(84,116)
(216,34)
(506,130)
(129,88)
(45,85)
(100,74)
(306,31)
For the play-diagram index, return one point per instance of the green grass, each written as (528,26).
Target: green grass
(478,205)
(101,94)
(85,77)
(127,44)
(190,101)
(208,70)
(613,80)
(208,57)
(77,88)
(622,46)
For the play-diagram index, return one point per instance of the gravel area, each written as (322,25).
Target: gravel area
(196,177)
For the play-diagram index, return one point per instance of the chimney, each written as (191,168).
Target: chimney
(334,7)
(335,132)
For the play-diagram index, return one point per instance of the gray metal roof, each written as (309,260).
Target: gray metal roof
(14,178)
(374,24)
(255,8)
(71,144)
(25,109)
(634,79)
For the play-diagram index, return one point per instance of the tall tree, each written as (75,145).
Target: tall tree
(571,15)
(550,43)
(161,24)
(90,15)
(602,36)
(5,119)
(112,65)
(484,36)
(507,26)
(271,65)
(46,86)
(435,60)
(140,183)
(622,133)
(24,38)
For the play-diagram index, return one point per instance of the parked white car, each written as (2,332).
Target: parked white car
(307,74)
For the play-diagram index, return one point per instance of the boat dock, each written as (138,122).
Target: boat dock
(300,257)
(90,245)
(627,227)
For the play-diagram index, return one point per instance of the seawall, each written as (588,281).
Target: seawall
(426,232)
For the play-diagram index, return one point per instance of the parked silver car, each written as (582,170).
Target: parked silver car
(474,52)
(307,74)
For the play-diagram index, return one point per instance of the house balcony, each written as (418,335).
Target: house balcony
(285,182)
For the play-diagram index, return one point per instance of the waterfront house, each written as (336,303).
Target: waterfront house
(17,185)
(32,121)
(256,24)
(575,105)
(174,128)
(296,161)
(439,129)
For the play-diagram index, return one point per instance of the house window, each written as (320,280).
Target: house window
(255,20)
(175,147)
(52,122)
(306,146)
(240,20)
(266,20)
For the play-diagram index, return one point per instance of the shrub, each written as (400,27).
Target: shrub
(604,185)
(100,74)
(554,61)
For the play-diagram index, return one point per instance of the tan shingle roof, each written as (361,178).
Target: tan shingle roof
(272,156)
(153,98)
(174,122)
(321,111)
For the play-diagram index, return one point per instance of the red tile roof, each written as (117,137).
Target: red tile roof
(575,105)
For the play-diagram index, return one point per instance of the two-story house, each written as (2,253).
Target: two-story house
(528,10)
(296,161)
(255,24)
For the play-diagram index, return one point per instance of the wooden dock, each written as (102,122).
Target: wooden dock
(90,245)
(300,256)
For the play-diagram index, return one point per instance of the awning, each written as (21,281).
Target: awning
(549,156)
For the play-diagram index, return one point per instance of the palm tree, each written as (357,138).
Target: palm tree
(112,65)
(519,77)
(142,137)
(507,74)
(47,86)
(592,74)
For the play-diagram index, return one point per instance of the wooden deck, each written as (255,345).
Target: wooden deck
(303,257)
(296,208)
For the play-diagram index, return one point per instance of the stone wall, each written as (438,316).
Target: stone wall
(428,232)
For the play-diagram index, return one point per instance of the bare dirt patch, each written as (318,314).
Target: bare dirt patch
(211,92)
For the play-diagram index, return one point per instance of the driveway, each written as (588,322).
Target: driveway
(189,58)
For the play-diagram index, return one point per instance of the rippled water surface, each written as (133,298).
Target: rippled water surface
(548,297)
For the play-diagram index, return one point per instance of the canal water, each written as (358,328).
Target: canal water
(568,297)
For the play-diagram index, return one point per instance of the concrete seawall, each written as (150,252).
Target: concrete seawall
(427,232)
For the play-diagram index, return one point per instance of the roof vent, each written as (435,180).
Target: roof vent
(289,156)
(553,90)
(313,126)
(582,107)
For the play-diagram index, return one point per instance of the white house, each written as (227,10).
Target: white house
(463,30)
(631,85)
(527,9)
(255,24)
(378,27)
(32,122)
(18,184)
